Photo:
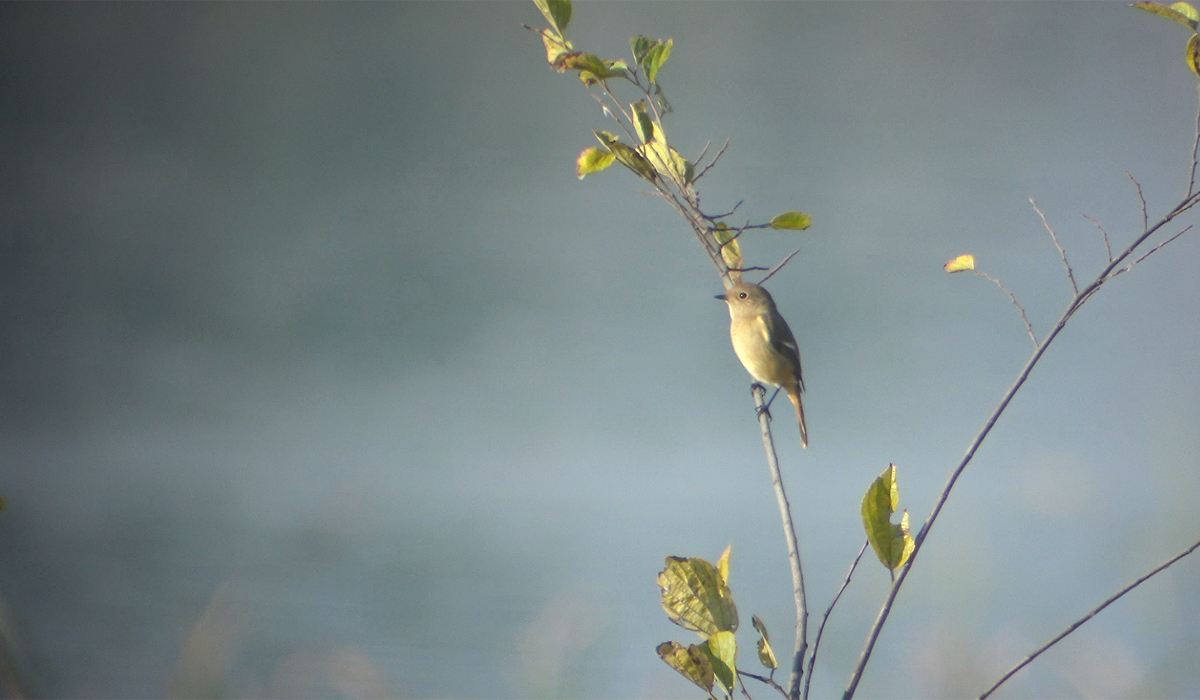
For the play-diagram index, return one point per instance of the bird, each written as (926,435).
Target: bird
(765,344)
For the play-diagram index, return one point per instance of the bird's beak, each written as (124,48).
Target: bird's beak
(720,296)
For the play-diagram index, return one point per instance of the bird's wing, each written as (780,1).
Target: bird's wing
(777,331)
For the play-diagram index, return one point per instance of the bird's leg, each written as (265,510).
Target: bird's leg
(766,406)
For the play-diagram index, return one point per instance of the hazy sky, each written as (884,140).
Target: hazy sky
(322,375)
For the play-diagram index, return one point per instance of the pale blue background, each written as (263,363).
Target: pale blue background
(305,321)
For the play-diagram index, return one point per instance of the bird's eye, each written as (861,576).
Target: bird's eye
(742,295)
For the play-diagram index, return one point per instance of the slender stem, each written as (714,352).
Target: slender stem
(1020,309)
(779,267)
(766,680)
(1061,252)
(1078,623)
(1076,303)
(793,544)
(812,659)
(919,541)
(1195,152)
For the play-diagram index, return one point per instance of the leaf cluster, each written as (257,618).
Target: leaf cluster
(641,143)
(1183,13)
(696,596)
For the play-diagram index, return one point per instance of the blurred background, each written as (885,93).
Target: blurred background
(323,376)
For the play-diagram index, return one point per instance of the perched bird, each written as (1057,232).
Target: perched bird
(764,343)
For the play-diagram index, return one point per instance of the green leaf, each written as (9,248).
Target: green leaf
(643,121)
(557,48)
(1180,12)
(691,661)
(893,544)
(766,654)
(556,12)
(592,69)
(656,57)
(665,159)
(792,220)
(695,596)
(593,160)
(651,54)
(731,252)
(1193,53)
(722,655)
(641,46)
(627,156)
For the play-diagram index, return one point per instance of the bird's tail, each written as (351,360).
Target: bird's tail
(794,395)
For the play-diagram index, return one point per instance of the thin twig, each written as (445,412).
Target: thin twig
(1150,252)
(1020,309)
(714,161)
(919,542)
(779,267)
(1095,611)
(1061,252)
(727,214)
(1142,198)
(793,544)
(1107,246)
(1195,150)
(812,659)
(767,680)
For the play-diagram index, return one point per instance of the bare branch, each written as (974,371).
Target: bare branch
(761,679)
(1020,308)
(919,542)
(1107,246)
(1095,611)
(727,214)
(812,659)
(1195,150)
(1061,252)
(1142,199)
(714,161)
(793,544)
(779,267)
(1152,251)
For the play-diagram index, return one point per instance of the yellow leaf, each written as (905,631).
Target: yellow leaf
(766,655)
(1193,53)
(691,661)
(695,596)
(593,160)
(1180,12)
(627,156)
(893,544)
(1186,9)
(557,49)
(723,565)
(730,250)
(962,262)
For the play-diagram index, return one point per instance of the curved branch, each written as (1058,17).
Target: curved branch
(812,659)
(1095,611)
(1080,299)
